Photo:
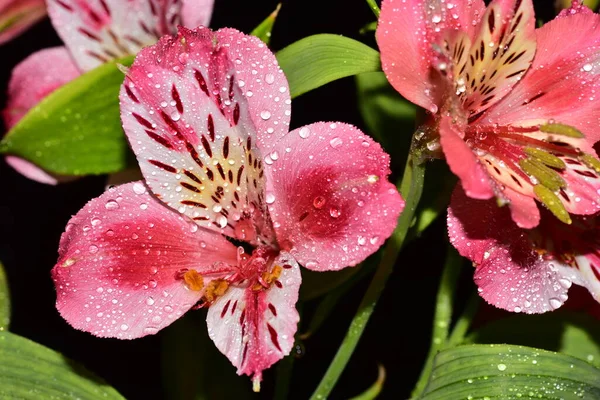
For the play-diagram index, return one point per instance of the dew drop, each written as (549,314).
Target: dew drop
(152,283)
(436,19)
(269,78)
(143,206)
(217,208)
(362,240)
(311,264)
(335,142)
(587,67)
(319,202)
(139,188)
(265,115)
(555,303)
(150,330)
(270,198)
(304,133)
(93,249)
(124,327)
(501,367)
(111,205)
(175,116)
(150,301)
(334,212)
(222,221)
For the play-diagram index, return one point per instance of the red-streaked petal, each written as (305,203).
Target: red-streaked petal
(262,82)
(563,81)
(255,329)
(119,262)
(588,272)
(96,31)
(582,195)
(18,15)
(463,162)
(329,197)
(189,125)
(509,273)
(36,77)
(196,12)
(406,33)
(499,56)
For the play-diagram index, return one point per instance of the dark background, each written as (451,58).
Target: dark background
(32,217)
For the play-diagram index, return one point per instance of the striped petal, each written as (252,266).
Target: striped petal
(190,127)
(16,16)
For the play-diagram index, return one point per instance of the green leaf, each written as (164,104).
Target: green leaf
(193,368)
(375,389)
(31,371)
(76,130)
(4,301)
(263,30)
(510,372)
(573,334)
(319,59)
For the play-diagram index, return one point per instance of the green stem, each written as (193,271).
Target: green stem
(284,377)
(464,322)
(442,316)
(411,187)
(374,7)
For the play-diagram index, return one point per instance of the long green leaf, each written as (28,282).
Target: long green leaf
(510,372)
(4,301)
(31,371)
(573,334)
(263,30)
(319,59)
(76,130)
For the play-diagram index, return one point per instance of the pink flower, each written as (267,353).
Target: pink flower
(16,16)
(207,115)
(509,102)
(94,32)
(524,270)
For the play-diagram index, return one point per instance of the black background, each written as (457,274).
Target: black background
(32,217)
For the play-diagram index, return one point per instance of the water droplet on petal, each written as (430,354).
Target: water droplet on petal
(362,240)
(265,115)
(311,264)
(555,303)
(93,249)
(111,205)
(304,133)
(175,116)
(587,67)
(96,221)
(319,202)
(139,188)
(270,198)
(336,142)
(222,221)
(217,208)
(269,78)
(150,301)
(334,212)
(124,327)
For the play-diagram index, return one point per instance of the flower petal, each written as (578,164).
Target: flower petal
(96,31)
(499,55)
(32,171)
(406,33)
(18,15)
(463,162)
(196,12)
(523,209)
(35,78)
(563,80)
(119,260)
(263,84)
(329,197)
(255,329)
(509,273)
(189,125)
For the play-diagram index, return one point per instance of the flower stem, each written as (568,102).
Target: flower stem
(464,321)
(374,7)
(442,316)
(411,187)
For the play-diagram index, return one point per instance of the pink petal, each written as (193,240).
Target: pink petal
(562,83)
(96,31)
(255,329)
(36,77)
(473,176)
(16,16)
(189,125)
(31,171)
(523,209)
(583,188)
(196,12)
(406,33)
(262,82)
(509,273)
(119,262)
(329,197)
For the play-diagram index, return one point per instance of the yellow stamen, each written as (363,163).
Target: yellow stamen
(560,129)
(214,289)
(193,280)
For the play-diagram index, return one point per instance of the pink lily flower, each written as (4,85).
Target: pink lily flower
(207,115)
(16,16)
(94,32)
(523,270)
(511,103)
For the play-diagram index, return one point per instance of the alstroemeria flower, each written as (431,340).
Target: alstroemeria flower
(523,270)
(207,115)
(16,16)
(509,102)
(94,32)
